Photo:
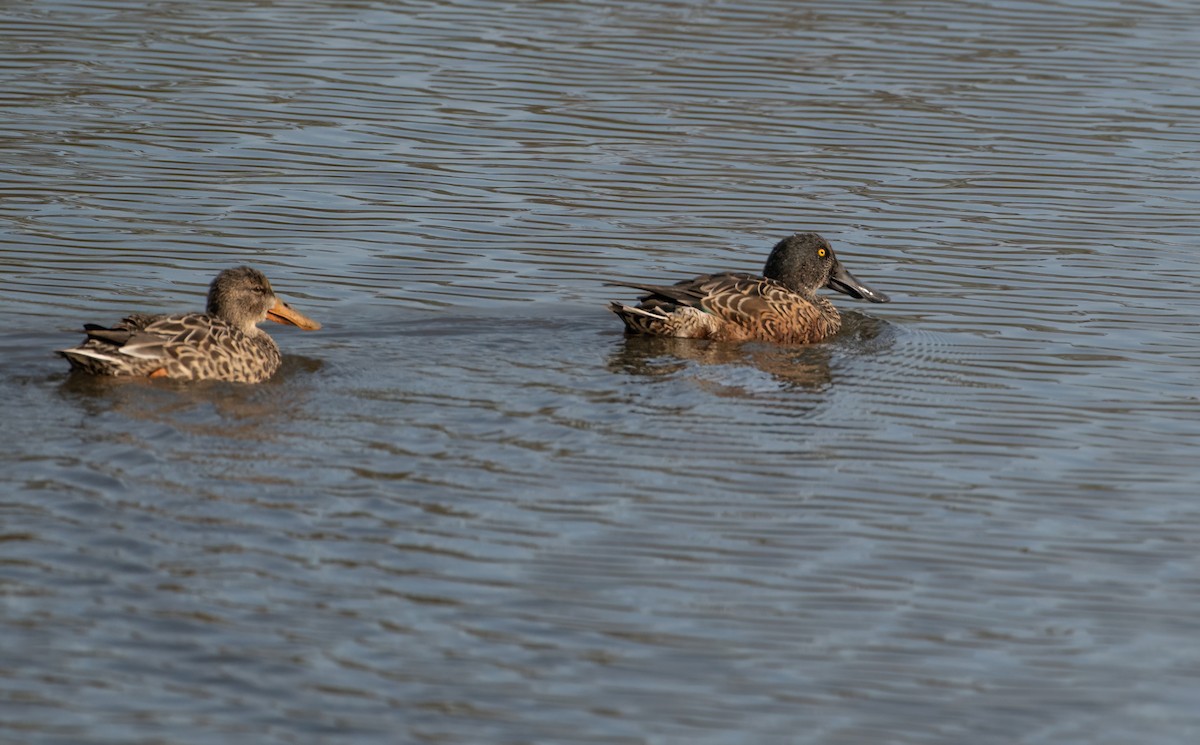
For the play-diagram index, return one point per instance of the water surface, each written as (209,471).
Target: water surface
(470,510)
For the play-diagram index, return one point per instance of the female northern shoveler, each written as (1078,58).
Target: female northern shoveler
(223,343)
(780,306)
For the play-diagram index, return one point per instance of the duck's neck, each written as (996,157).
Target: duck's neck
(830,318)
(247,326)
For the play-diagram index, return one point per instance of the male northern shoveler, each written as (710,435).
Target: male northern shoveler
(780,306)
(223,343)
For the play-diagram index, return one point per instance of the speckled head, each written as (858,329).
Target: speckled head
(805,262)
(243,298)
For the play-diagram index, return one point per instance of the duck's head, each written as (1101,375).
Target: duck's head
(805,262)
(243,298)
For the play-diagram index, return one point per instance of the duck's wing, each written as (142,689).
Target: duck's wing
(137,345)
(155,337)
(731,307)
(737,298)
(119,334)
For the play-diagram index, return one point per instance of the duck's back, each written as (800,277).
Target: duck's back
(193,346)
(731,307)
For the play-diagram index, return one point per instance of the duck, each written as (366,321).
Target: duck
(222,343)
(781,305)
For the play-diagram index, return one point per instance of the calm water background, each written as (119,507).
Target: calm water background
(469,510)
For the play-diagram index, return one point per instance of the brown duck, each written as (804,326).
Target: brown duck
(780,306)
(223,343)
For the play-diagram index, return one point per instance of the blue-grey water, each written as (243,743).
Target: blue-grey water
(469,510)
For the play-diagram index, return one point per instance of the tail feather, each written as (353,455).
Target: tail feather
(682,321)
(81,354)
(621,310)
(111,336)
(639,320)
(90,360)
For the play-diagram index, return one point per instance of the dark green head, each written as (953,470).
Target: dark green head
(805,262)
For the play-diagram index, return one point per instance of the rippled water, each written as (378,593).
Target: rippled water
(470,510)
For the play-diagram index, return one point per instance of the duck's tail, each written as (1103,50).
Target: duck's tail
(639,321)
(683,322)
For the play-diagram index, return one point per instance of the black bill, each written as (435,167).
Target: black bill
(843,281)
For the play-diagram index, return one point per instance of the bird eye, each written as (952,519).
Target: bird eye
(821,252)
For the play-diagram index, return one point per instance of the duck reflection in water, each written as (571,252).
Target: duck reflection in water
(807,368)
(209,408)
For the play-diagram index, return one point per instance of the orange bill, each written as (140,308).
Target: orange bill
(281,312)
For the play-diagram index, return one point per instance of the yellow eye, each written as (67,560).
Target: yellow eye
(821,252)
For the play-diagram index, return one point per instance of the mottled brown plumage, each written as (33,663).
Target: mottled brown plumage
(781,306)
(223,343)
